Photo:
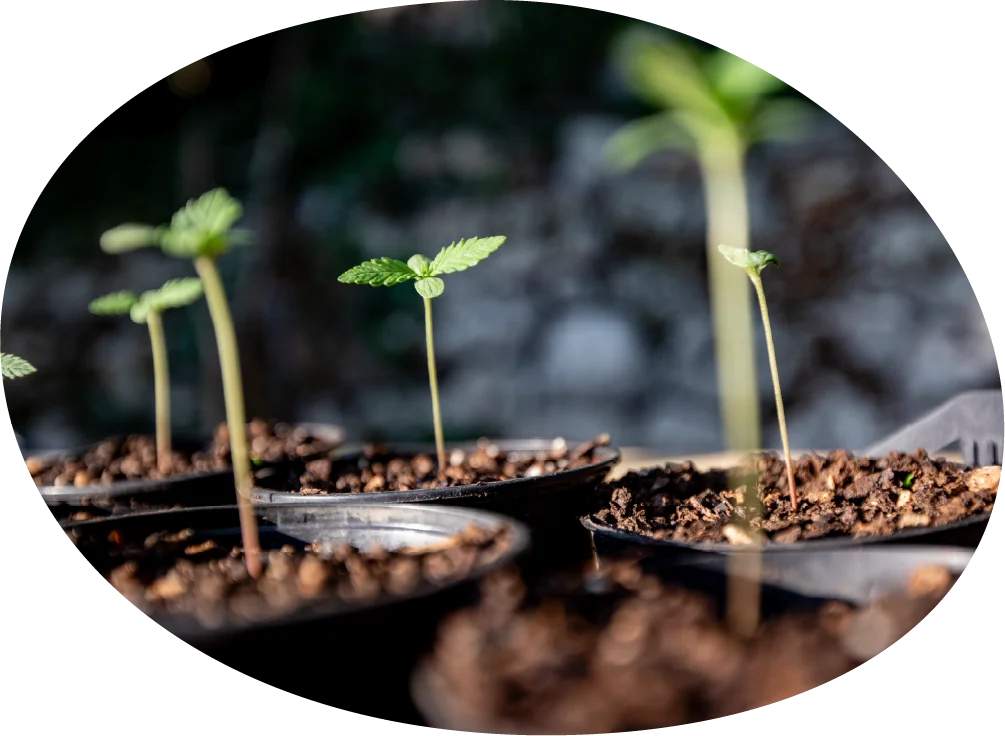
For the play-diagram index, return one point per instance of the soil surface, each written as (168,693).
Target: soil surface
(135,457)
(183,573)
(839,495)
(378,471)
(640,654)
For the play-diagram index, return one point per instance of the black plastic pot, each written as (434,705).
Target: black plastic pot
(791,583)
(353,656)
(549,504)
(610,541)
(192,490)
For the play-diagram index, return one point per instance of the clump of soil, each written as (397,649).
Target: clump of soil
(184,574)
(642,655)
(135,457)
(839,495)
(378,471)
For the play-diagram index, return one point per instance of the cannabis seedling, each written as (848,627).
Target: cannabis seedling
(425,272)
(715,106)
(146,308)
(753,264)
(202,231)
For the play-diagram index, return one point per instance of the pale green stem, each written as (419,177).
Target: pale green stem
(722,161)
(233,394)
(162,390)
(721,153)
(441,457)
(759,288)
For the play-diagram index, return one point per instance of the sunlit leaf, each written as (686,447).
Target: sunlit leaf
(464,254)
(378,272)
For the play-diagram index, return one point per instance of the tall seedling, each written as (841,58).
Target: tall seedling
(147,308)
(715,106)
(425,273)
(202,231)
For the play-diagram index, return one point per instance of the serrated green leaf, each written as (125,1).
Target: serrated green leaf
(665,73)
(641,138)
(429,287)
(175,293)
(464,254)
(419,264)
(755,261)
(15,367)
(203,227)
(213,212)
(119,302)
(130,236)
(379,272)
(739,81)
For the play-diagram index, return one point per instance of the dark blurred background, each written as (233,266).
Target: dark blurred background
(397,131)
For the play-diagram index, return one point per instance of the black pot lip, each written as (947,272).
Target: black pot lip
(610,455)
(190,631)
(595,526)
(334,436)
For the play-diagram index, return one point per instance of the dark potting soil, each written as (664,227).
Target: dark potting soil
(379,471)
(650,656)
(184,574)
(135,457)
(838,495)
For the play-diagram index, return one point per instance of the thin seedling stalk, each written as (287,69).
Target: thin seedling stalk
(233,392)
(759,288)
(434,391)
(162,390)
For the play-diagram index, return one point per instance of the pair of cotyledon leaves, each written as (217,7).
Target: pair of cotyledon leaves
(753,262)
(175,293)
(204,227)
(424,271)
(703,97)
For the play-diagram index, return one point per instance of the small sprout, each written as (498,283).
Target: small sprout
(425,272)
(908,481)
(753,263)
(202,231)
(15,367)
(146,309)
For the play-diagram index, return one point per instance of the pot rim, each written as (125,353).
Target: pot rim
(190,630)
(610,456)
(333,436)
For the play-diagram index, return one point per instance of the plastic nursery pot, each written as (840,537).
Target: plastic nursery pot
(351,654)
(792,584)
(610,541)
(550,504)
(214,488)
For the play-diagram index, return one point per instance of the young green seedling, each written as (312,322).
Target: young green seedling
(146,308)
(715,106)
(753,264)
(425,272)
(202,231)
